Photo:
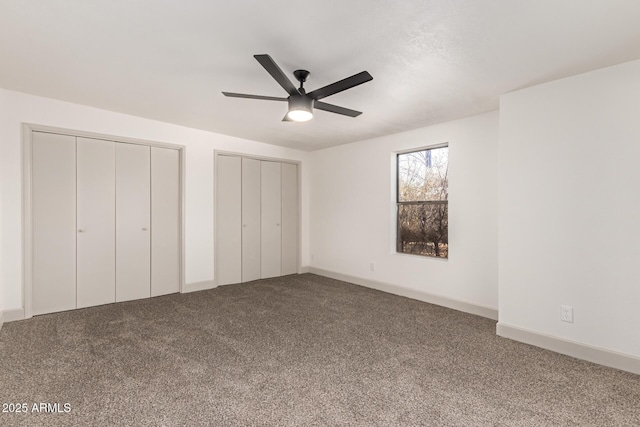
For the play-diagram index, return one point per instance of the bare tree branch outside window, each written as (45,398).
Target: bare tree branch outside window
(423,207)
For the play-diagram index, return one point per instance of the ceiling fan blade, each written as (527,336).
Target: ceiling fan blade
(243,95)
(275,71)
(335,109)
(344,84)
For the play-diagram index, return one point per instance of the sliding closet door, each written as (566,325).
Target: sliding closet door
(289,219)
(228,220)
(133,217)
(271,256)
(96,221)
(165,221)
(54,223)
(250,219)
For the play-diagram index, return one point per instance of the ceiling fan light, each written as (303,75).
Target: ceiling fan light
(300,115)
(300,108)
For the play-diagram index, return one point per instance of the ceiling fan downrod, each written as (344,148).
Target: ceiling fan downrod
(301,76)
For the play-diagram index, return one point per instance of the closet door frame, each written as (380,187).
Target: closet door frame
(216,154)
(27,195)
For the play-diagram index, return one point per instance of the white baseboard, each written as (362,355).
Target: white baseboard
(1,319)
(304,269)
(13,315)
(411,293)
(602,356)
(198,286)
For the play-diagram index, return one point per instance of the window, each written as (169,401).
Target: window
(422,202)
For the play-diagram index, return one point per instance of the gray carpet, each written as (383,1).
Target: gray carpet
(299,350)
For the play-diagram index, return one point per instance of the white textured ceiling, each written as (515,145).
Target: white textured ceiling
(431,61)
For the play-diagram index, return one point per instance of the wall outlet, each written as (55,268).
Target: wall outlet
(566,313)
(371,267)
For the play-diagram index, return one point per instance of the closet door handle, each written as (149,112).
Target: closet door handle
(80,230)
(278,225)
(144,228)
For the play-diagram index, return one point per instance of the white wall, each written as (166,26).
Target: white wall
(199,144)
(2,126)
(353,212)
(570,208)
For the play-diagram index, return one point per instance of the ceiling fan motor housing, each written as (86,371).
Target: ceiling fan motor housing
(301,102)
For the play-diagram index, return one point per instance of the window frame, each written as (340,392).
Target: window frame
(399,203)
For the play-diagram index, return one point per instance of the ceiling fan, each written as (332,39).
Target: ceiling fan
(301,103)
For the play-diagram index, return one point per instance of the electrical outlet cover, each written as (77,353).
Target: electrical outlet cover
(566,313)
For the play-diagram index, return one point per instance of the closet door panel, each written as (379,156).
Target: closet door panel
(228,220)
(250,219)
(289,219)
(271,234)
(96,222)
(165,221)
(133,217)
(54,223)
